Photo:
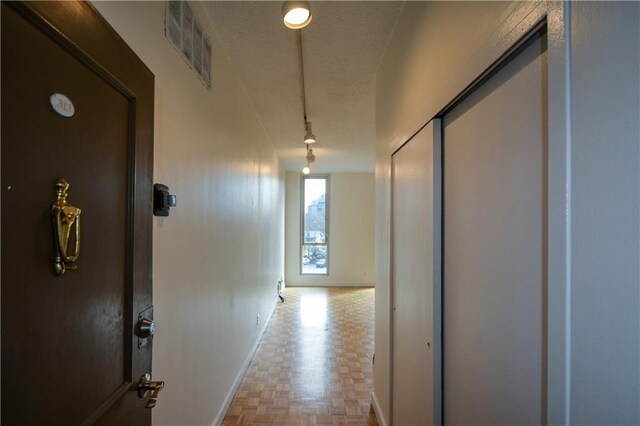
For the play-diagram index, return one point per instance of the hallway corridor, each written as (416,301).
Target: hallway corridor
(313,364)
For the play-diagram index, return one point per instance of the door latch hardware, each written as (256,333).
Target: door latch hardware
(147,386)
(163,200)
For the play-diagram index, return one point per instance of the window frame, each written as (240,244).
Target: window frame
(327,209)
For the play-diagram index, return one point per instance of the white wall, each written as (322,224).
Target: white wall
(605,220)
(351,231)
(218,256)
(438,48)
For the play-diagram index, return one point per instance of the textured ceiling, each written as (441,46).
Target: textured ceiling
(342,48)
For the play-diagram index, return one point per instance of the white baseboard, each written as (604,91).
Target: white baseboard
(340,284)
(245,365)
(376,407)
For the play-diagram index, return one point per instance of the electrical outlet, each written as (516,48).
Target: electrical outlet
(258,319)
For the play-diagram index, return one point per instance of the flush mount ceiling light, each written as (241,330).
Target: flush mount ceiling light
(296,14)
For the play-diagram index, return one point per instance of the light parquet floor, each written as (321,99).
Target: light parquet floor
(313,364)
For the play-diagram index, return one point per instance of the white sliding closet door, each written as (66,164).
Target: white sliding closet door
(416,279)
(494,291)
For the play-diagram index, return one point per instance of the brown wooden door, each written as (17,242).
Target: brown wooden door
(70,354)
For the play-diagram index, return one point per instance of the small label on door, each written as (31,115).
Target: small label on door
(62,105)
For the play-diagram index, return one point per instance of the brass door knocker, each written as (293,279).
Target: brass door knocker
(65,216)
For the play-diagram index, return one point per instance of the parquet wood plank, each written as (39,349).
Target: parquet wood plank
(313,364)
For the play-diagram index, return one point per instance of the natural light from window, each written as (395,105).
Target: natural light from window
(314,256)
(313,346)
(313,311)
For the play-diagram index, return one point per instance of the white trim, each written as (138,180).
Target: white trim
(567,205)
(376,408)
(437,269)
(243,370)
(559,214)
(330,284)
(391,193)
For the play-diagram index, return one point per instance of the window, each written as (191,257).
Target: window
(315,225)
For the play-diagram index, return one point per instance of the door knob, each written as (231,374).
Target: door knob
(147,386)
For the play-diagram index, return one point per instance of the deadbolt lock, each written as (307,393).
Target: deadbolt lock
(146,328)
(148,386)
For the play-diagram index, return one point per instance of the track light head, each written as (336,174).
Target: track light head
(309,137)
(310,156)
